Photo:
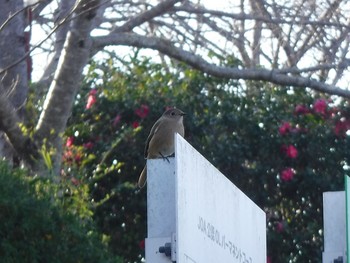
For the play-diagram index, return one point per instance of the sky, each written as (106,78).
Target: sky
(41,58)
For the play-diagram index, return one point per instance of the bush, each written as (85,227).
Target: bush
(282,147)
(35,226)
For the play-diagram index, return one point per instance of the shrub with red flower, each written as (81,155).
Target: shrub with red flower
(341,127)
(68,156)
(301,109)
(116,120)
(91,99)
(290,151)
(88,145)
(284,170)
(287,174)
(320,106)
(75,181)
(142,244)
(135,124)
(284,128)
(70,141)
(143,111)
(279,227)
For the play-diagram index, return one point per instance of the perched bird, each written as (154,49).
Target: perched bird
(160,141)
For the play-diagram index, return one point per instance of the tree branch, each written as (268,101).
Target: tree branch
(168,48)
(10,124)
(159,9)
(8,20)
(244,16)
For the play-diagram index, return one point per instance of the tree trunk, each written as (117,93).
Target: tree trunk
(14,82)
(67,79)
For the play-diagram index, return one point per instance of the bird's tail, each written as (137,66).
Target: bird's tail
(143,177)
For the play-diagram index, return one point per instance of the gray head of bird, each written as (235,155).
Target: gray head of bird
(174,113)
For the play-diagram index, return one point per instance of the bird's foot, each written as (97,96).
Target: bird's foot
(164,157)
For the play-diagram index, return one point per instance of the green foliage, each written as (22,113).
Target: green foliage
(35,226)
(238,129)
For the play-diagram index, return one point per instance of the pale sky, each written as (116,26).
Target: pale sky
(41,59)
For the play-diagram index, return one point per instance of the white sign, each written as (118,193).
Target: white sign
(216,222)
(334,226)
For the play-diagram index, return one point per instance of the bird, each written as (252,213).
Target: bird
(160,141)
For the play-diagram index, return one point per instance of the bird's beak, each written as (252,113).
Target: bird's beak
(183,114)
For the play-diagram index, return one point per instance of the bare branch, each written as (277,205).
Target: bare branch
(159,9)
(63,21)
(8,20)
(245,16)
(166,47)
(39,7)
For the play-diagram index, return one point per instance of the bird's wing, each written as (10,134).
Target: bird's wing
(152,132)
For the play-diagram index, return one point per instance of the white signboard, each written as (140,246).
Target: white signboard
(334,226)
(216,222)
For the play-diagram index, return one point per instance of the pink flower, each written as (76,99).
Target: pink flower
(135,124)
(291,151)
(320,106)
(70,141)
(143,111)
(301,109)
(279,227)
(68,156)
(142,244)
(287,174)
(75,181)
(88,145)
(91,101)
(284,128)
(93,92)
(117,120)
(341,127)
(77,158)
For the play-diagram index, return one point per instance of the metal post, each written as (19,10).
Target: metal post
(161,215)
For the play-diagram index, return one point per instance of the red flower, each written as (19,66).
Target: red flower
(320,106)
(287,174)
(75,181)
(93,92)
(143,111)
(135,124)
(291,151)
(117,120)
(279,227)
(68,156)
(341,127)
(91,101)
(301,109)
(77,158)
(142,244)
(70,141)
(284,128)
(88,145)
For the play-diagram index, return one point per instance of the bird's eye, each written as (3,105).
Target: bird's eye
(173,113)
